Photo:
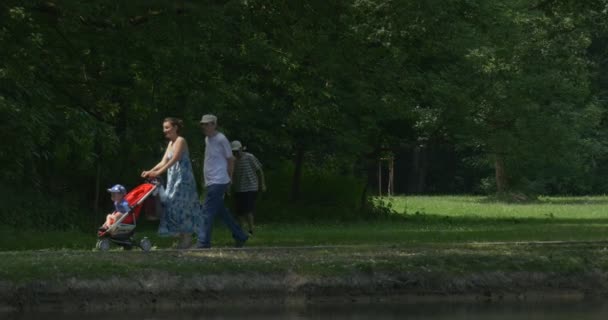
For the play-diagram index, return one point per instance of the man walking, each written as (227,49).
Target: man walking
(218,168)
(248,179)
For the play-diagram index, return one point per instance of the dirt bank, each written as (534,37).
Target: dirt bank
(165,279)
(163,291)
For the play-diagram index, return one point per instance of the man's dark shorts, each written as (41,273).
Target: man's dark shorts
(245,202)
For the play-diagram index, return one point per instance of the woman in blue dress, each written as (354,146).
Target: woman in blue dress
(182,205)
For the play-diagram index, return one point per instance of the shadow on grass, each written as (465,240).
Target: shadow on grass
(535,202)
(497,221)
(574,201)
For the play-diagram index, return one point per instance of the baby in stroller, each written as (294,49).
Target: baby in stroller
(120,225)
(121,206)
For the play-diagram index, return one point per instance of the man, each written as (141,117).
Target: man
(218,168)
(248,179)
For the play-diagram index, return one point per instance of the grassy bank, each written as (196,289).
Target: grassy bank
(453,259)
(562,208)
(420,220)
(434,245)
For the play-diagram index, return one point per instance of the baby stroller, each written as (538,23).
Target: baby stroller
(122,231)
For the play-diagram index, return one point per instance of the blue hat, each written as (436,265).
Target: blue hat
(118,188)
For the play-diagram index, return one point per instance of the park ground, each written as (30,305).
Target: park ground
(434,246)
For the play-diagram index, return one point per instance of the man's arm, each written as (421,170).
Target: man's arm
(230,167)
(227,150)
(257,166)
(261,179)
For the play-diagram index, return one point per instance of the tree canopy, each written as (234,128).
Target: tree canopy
(470,95)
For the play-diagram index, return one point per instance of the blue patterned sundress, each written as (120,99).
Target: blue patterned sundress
(182,208)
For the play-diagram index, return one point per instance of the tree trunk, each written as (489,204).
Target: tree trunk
(380,178)
(501,174)
(98,162)
(370,173)
(97,188)
(363,199)
(297,173)
(419,170)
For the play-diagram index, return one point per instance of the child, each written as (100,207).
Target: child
(121,206)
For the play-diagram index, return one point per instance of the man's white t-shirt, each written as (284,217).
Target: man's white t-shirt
(217,153)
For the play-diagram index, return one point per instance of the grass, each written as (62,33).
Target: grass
(578,208)
(449,234)
(445,260)
(420,220)
(469,218)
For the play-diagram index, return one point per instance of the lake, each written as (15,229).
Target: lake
(381,311)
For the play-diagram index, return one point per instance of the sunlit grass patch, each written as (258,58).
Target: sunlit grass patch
(420,220)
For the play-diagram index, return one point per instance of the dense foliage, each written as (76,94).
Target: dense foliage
(469,95)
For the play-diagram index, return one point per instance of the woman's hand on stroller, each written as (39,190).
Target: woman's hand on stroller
(149,174)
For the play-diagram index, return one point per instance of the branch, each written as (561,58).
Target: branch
(542,5)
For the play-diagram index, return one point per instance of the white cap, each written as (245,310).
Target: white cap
(118,189)
(209,118)
(236,145)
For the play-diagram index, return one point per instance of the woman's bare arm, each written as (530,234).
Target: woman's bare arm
(179,146)
(158,165)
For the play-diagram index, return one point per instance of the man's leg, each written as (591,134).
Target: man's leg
(238,206)
(251,208)
(237,233)
(250,222)
(213,200)
(242,220)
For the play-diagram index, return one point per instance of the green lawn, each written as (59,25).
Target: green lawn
(469,218)
(421,220)
(445,234)
(577,208)
(437,260)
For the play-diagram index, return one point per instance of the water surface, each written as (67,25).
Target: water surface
(380,311)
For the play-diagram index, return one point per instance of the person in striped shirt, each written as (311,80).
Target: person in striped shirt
(248,179)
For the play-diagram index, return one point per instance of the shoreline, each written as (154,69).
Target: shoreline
(79,280)
(162,291)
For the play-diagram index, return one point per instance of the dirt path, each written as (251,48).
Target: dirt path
(390,246)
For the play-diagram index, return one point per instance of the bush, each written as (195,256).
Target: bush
(32,209)
(324,196)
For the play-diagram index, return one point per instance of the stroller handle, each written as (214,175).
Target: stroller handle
(155,181)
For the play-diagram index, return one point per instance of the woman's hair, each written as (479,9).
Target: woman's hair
(176,122)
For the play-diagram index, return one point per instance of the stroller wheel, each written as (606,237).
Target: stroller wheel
(145,244)
(103,245)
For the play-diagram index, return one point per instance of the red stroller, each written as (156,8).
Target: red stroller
(122,231)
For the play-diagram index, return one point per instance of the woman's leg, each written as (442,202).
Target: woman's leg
(185,241)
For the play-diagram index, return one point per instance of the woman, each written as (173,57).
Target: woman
(182,206)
